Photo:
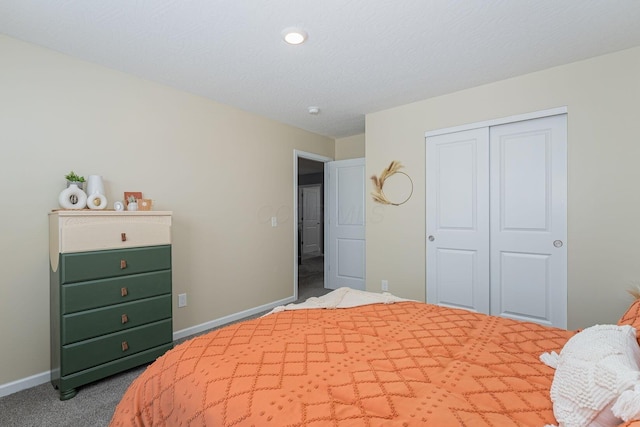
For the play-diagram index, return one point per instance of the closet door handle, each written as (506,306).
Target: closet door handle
(431,238)
(558,243)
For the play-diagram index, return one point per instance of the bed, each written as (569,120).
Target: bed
(353,358)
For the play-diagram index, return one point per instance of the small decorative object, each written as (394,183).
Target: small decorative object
(72,197)
(145,204)
(137,195)
(378,182)
(95,191)
(132,203)
(118,206)
(73,178)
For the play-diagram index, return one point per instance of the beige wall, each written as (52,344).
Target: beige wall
(202,160)
(351,147)
(602,97)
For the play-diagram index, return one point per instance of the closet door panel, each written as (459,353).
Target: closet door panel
(524,181)
(455,277)
(525,285)
(458,220)
(528,220)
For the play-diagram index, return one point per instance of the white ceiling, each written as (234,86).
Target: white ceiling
(362,56)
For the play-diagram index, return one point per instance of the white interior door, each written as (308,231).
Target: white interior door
(458,220)
(311,219)
(345,223)
(529,220)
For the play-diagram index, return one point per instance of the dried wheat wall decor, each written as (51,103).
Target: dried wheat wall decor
(378,183)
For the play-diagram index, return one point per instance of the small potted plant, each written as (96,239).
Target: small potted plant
(73,178)
(132,203)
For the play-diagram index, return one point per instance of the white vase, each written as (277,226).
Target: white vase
(72,197)
(95,193)
(132,206)
(95,185)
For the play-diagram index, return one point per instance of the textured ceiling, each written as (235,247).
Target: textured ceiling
(362,56)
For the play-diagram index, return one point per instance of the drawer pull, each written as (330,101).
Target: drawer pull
(123,236)
(123,264)
(125,346)
(124,292)
(124,319)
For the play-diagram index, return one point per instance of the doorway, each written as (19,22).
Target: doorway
(309,266)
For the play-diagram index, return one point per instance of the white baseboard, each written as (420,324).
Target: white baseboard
(24,383)
(228,319)
(38,379)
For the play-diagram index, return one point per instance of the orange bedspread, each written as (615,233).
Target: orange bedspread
(402,364)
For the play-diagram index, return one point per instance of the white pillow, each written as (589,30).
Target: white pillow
(593,369)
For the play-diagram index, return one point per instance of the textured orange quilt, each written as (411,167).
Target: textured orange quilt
(401,364)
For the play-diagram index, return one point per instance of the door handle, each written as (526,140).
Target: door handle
(558,243)
(431,238)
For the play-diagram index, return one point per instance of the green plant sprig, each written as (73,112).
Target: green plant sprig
(71,176)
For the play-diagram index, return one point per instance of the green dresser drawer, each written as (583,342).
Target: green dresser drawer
(96,351)
(78,267)
(99,293)
(101,321)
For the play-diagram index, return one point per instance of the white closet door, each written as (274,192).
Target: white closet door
(529,220)
(458,220)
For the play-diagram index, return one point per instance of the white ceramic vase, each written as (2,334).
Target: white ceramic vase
(72,197)
(95,185)
(95,191)
(132,206)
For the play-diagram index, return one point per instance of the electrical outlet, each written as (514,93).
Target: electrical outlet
(182,300)
(385,285)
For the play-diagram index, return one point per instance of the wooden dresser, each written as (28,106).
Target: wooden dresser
(110,275)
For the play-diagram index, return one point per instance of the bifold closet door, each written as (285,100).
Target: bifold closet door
(496,220)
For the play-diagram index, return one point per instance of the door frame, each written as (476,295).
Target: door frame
(318,158)
(500,121)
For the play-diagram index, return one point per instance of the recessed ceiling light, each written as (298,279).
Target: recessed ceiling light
(294,35)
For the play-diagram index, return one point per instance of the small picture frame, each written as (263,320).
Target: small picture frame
(136,194)
(145,204)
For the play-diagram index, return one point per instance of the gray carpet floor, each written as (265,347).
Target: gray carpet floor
(94,404)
